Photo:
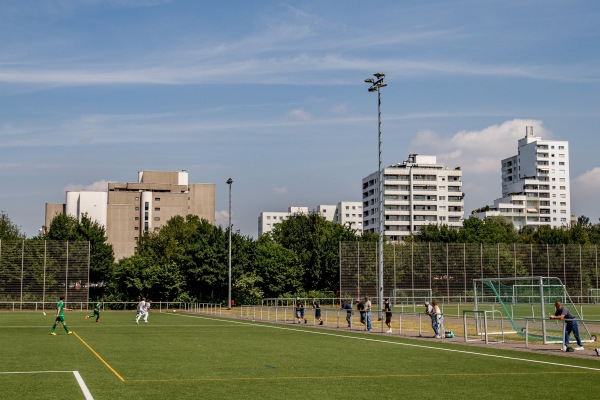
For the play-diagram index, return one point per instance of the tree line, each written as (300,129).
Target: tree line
(188,258)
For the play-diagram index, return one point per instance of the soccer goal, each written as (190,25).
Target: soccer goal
(410,296)
(528,301)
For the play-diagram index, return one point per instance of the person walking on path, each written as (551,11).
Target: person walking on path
(570,325)
(60,316)
(317,309)
(96,312)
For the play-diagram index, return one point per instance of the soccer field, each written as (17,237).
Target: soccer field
(182,356)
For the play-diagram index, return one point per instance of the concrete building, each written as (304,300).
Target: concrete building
(346,213)
(535,184)
(416,193)
(130,209)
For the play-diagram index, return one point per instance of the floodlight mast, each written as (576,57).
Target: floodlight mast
(376,85)
(229,182)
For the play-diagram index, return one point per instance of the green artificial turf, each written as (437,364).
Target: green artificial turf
(179,356)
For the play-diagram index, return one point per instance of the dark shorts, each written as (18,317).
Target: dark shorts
(388,318)
(317,313)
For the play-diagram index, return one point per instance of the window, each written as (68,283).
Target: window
(561,147)
(136,238)
(137,209)
(136,228)
(157,199)
(137,218)
(156,208)
(442,187)
(157,218)
(563,188)
(561,163)
(137,199)
(442,197)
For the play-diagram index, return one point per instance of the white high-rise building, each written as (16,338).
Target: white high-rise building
(417,193)
(535,184)
(347,213)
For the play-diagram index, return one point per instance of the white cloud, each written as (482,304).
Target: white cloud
(584,189)
(479,151)
(280,190)
(300,115)
(98,186)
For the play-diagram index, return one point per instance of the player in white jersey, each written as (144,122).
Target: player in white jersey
(142,310)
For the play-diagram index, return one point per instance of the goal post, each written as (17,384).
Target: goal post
(594,296)
(528,298)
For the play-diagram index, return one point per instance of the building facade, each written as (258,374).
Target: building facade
(131,209)
(347,213)
(416,193)
(535,184)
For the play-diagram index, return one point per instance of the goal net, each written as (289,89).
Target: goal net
(527,302)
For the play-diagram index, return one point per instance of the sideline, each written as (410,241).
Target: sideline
(390,342)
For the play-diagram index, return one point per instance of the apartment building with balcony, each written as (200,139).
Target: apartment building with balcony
(416,193)
(347,213)
(535,184)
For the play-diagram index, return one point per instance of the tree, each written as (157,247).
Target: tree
(316,243)
(8,230)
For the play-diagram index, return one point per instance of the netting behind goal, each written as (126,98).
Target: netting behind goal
(526,302)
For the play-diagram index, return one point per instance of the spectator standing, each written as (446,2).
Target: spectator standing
(317,309)
(387,307)
(348,307)
(570,325)
(431,314)
(368,314)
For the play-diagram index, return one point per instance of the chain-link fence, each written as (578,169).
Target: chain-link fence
(448,269)
(40,270)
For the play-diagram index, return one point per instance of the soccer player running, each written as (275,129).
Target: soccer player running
(142,311)
(60,316)
(96,312)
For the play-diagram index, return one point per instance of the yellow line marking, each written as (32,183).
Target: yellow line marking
(99,358)
(357,376)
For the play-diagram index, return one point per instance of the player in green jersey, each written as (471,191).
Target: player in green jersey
(60,316)
(96,312)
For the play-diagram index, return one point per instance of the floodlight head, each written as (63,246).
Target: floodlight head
(369,80)
(373,89)
(229,181)
(379,75)
(382,84)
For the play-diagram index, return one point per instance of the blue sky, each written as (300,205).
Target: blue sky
(272,94)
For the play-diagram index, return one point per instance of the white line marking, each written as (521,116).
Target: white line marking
(82,385)
(34,372)
(394,343)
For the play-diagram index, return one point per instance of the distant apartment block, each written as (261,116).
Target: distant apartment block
(535,184)
(128,210)
(416,193)
(346,213)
